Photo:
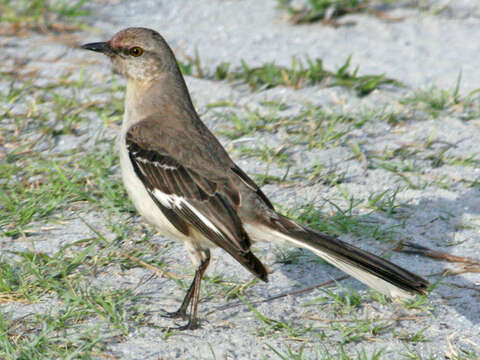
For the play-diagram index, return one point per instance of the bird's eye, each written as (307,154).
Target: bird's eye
(135,51)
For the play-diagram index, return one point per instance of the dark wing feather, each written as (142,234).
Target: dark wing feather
(196,201)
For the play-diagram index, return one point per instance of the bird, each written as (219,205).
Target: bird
(184,183)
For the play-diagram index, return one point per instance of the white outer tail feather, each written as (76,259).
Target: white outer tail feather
(264,233)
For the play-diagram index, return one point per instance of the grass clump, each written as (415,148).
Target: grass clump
(322,10)
(329,11)
(311,72)
(40,339)
(41,14)
(433,100)
(299,74)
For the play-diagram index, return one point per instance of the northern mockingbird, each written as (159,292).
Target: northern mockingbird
(183,182)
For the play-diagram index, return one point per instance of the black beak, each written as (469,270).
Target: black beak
(103,47)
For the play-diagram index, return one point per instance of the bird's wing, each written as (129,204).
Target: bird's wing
(190,183)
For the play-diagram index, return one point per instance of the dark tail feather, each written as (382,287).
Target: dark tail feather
(374,271)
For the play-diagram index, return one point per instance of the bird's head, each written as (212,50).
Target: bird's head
(137,53)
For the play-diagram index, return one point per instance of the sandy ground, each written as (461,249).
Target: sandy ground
(422,50)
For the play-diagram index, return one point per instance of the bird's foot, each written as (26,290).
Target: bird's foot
(179,314)
(190,325)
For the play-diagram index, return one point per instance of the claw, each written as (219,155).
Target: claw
(179,314)
(190,325)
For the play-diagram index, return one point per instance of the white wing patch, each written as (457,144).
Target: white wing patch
(169,201)
(172,201)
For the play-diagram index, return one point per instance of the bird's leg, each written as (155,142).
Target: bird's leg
(195,293)
(193,320)
(192,296)
(182,311)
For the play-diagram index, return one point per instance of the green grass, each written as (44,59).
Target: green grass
(342,220)
(41,340)
(386,202)
(42,14)
(329,12)
(320,173)
(318,10)
(347,302)
(312,127)
(38,187)
(317,128)
(266,154)
(413,337)
(84,313)
(349,322)
(325,353)
(433,100)
(249,123)
(300,74)
(226,289)
(270,327)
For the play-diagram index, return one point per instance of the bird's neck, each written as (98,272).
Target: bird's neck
(165,94)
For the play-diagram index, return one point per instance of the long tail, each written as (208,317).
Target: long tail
(372,270)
